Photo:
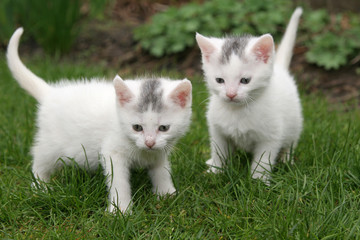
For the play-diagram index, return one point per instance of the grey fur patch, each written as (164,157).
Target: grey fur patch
(150,95)
(234,45)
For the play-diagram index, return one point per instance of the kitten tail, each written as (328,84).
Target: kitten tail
(285,49)
(34,85)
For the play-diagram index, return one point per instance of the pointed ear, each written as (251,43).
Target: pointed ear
(263,49)
(206,46)
(123,93)
(181,95)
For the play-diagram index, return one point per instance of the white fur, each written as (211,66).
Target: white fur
(265,115)
(89,116)
(283,57)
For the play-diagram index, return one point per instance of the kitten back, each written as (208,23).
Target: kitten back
(34,85)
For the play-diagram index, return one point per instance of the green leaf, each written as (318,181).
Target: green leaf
(326,59)
(315,21)
(329,51)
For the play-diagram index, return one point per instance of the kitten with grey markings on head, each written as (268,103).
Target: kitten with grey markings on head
(129,123)
(254,102)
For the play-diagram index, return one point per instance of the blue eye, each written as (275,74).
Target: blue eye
(219,80)
(137,127)
(245,80)
(164,128)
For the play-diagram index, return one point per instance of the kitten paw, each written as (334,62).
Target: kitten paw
(40,186)
(165,190)
(287,157)
(213,167)
(113,209)
(264,177)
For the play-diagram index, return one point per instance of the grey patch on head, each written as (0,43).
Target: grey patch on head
(150,95)
(234,45)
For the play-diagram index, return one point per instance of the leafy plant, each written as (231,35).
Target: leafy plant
(7,19)
(328,50)
(315,21)
(173,30)
(53,24)
(97,8)
(331,42)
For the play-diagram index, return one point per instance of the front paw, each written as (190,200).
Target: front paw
(263,176)
(168,189)
(124,207)
(40,186)
(213,166)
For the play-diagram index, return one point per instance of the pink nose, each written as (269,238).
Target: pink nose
(149,143)
(231,95)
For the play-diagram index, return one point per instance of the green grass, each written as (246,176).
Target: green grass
(316,198)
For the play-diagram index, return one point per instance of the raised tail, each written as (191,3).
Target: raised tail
(285,49)
(36,86)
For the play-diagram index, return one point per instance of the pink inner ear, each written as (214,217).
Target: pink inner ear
(181,95)
(263,49)
(123,93)
(181,99)
(123,96)
(205,45)
(262,53)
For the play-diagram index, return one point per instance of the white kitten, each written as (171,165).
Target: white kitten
(254,103)
(127,123)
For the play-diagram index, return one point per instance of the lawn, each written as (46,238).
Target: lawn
(318,197)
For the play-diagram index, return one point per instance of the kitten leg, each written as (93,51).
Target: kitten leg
(161,178)
(220,150)
(41,173)
(43,166)
(288,152)
(264,158)
(286,156)
(118,183)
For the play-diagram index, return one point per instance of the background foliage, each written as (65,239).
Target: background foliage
(174,30)
(53,24)
(331,39)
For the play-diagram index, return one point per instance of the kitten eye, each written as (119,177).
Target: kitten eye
(219,80)
(164,128)
(137,127)
(245,80)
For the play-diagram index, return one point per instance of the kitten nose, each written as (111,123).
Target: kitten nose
(231,95)
(149,142)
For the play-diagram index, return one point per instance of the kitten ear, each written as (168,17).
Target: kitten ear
(181,95)
(263,48)
(207,48)
(123,93)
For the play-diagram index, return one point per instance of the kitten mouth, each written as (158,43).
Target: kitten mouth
(235,102)
(147,149)
(152,149)
(232,100)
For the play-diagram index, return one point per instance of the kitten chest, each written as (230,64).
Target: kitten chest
(240,133)
(243,128)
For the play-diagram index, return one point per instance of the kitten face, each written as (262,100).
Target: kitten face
(155,131)
(237,69)
(157,116)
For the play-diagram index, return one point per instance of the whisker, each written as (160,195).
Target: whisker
(204,101)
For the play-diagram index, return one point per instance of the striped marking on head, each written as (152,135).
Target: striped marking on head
(150,96)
